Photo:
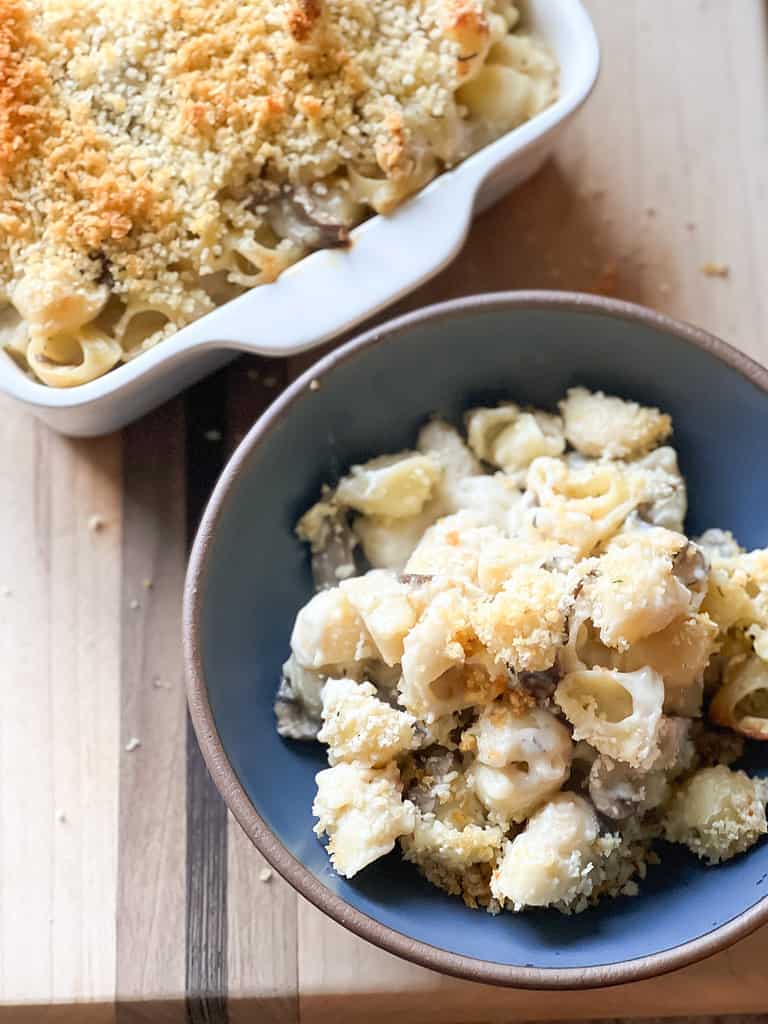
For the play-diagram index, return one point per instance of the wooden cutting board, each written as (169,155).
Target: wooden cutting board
(123,883)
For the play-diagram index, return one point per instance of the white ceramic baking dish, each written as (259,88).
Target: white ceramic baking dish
(331,291)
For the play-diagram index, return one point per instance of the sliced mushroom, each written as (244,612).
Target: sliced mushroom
(715,746)
(333,545)
(104,275)
(298,703)
(292,215)
(433,764)
(618,791)
(540,685)
(676,750)
(385,678)
(691,566)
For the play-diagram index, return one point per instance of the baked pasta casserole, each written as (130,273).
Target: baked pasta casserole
(159,157)
(523,670)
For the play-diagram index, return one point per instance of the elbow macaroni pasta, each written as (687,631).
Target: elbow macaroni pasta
(158,159)
(517,690)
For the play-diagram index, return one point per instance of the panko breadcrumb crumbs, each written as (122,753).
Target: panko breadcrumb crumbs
(158,157)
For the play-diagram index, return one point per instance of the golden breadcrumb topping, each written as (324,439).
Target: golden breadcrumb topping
(158,156)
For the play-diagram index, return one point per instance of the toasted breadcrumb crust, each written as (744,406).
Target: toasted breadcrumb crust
(158,156)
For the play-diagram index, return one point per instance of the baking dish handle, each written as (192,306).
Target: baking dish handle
(333,290)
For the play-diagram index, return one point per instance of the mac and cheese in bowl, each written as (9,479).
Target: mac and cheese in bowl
(159,157)
(523,670)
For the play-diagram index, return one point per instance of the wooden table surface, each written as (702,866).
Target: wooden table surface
(124,884)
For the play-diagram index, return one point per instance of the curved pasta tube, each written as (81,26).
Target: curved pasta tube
(397,486)
(454,849)
(384,194)
(522,625)
(386,608)
(59,301)
(444,443)
(388,543)
(523,54)
(679,654)
(717,813)
(741,703)
(666,500)
(443,668)
(549,861)
(583,505)
(258,263)
(359,727)
(521,759)
(485,425)
(430,649)
(329,631)
(500,95)
(452,546)
(14,332)
(98,353)
(142,324)
(362,812)
(738,590)
(645,580)
(501,556)
(511,439)
(583,649)
(603,425)
(618,713)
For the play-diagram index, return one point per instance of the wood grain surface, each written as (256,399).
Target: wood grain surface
(126,892)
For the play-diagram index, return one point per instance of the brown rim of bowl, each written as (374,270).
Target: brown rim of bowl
(223,774)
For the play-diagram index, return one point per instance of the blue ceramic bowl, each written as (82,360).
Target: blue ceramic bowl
(249,575)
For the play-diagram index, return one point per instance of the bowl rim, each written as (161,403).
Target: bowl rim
(222,772)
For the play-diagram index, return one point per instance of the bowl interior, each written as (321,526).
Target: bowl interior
(257,576)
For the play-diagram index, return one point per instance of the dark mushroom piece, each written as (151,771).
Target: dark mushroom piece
(434,763)
(298,702)
(334,548)
(618,791)
(104,274)
(715,746)
(291,215)
(540,685)
(691,567)
(676,750)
